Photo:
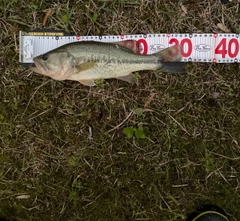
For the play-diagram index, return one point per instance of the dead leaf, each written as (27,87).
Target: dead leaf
(149,100)
(21,197)
(223,27)
(184,9)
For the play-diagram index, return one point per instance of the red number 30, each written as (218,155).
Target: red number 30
(182,43)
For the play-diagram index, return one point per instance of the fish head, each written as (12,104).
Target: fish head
(55,64)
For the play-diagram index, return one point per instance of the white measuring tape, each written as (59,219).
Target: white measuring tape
(218,48)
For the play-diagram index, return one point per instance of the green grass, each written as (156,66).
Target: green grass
(63,154)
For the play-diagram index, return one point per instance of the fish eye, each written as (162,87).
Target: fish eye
(45,57)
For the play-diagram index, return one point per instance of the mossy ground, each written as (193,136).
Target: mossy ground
(63,153)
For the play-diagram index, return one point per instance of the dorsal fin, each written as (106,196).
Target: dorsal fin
(128,45)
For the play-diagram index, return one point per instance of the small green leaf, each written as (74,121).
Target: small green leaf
(139,133)
(134,122)
(139,112)
(128,131)
(99,82)
(72,161)
(73,196)
(94,17)
(137,75)
(77,183)
(65,19)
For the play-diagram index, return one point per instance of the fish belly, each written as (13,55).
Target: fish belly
(111,70)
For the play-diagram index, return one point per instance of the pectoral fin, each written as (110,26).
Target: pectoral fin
(130,78)
(85,66)
(87,82)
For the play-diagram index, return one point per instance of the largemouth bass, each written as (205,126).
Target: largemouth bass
(87,61)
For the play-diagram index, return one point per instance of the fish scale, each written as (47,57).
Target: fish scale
(111,61)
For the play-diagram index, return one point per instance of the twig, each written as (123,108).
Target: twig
(129,115)
(46,17)
(33,96)
(184,129)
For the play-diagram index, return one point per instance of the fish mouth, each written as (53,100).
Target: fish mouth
(38,67)
(34,68)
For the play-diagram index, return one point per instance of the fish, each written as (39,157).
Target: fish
(87,61)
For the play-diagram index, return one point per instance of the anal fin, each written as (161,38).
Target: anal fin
(89,82)
(130,78)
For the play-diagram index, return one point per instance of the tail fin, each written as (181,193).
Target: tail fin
(170,54)
(173,67)
(169,58)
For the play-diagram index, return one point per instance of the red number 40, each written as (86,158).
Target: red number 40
(230,50)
